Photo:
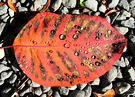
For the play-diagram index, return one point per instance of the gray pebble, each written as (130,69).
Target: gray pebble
(131,91)
(13,78)
(108,87)
(132,38)
(122,30)
(97,13)
(46,89)
(124,14)
(43,95)
(129,75)
(129,23)
(38,91)
(120,62)
(72,87)
(35,84)
(50,92)
(91,4)
(114,3)
(14,68)
(88,91)
(102,8)
(22,1)
(1,82)
(11,12)
(132,3)
(133,12)
(69,3)
(3,9)
(64,91)
(96,82)
(124,4)
(14,1)
(111,74)
(6,74)
(76,11)
(55,6)
(119,75)
(2,53)
(121,87)
(64,10)
(22,9)
(56,94)
(3,68)
(82,86)
(24,91)
(77,93)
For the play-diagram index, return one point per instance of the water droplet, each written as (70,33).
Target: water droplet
(53,32)
(93,57)
(109,32)
(62,37)
(75,36)
(91,64)
(82,64)
(86,62)
(67,45)
(86,52)
(47,42)
(83,47)
(106,35)
(97,43)
(87,58)
(80,50)
(50,51)
(92,47)
(76,53)
(87,44)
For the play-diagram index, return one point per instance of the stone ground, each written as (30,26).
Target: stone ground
(121,77)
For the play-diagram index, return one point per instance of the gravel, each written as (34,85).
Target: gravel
(120,77)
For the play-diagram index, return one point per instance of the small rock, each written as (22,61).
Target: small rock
(111,74)
(108,87)
(132,3)
(129,75)
(122,30)
(121,87)
(3,68)
(91,4)
(132,38)
(38,91)
(113,4)
(46,89)
(102,8)
(55,6)
(133,12)
(3,9)
(72,87)
(24,91)
(77,93)
(69,3)
(11,12)
(124,4)
(3,27)
(1,82)
(14,1)
(124,14)
(129,23)
(96,82)
(22,9)
(82,86)
(56,94)
(76,11)
(108,19)
(35,84)
(131,91)
(64,91)
(97,13)
(119,75)
(13,78)
(4,75)
(120,62)
(64,10)
(23,1)
(88,91)
(38,4)
(43,95)
(50,92)
(14,68)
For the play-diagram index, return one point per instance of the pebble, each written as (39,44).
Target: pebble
(102,8)
(132,3)
(129,23)
(35,84)
(1,82)
(3,9)
(132,38)
(121,87)
(120,62)
(23,1)
(63,91)
(77,93)
(11,12)
(43,95)
(56,5)
(113,3)
(76,11)
(25,91)
(111,74)
(119,75)
(124,14)
(122,30)
(124,4)
(64,10)
(96,82)
(45,89)
(131,91)
(22,9)
(133,12)
(72,87)
(13,78)
(88,91)
(69,3)
(107,87)
(6,74)
(129,75)
(38,91)
(91,4)
(4,68)
(82,86)
(50,92)
(3,27)
(56,94)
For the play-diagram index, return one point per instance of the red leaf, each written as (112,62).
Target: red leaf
(65,50)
